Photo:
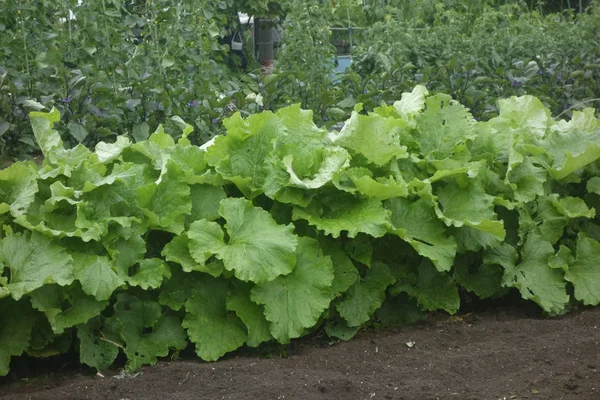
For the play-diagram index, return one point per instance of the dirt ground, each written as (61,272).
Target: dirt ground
(502,354)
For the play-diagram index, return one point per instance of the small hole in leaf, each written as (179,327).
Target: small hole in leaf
(134,269)
(6,273)
(146,331)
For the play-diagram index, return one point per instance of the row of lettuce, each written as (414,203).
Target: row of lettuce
(281,228)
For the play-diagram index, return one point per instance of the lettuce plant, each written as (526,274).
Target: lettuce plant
(280,228)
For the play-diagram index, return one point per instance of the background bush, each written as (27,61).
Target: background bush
(124,67)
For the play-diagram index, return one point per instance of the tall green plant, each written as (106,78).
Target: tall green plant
(305,59)
(480,56)
(113,67)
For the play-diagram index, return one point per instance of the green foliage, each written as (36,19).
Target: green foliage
(303,67)
(114,68)
(477,52)
(281,228)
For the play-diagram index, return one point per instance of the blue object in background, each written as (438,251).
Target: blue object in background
(342,64)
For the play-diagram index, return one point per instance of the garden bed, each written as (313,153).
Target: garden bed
(509,353)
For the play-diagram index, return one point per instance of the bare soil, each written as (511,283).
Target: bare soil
(503,354)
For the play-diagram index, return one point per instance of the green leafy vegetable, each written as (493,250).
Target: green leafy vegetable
(33,261)
(210,326)
(295,302)
(251,257)
(584,272)
(281,228)
(366,295)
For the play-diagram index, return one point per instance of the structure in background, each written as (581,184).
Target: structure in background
(266,36)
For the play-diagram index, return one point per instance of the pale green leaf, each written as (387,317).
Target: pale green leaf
(305,142)
(411,103)
(167,203)
(344,271)
(250,313)
(593,185)
(334,160)
(150,274)
(213,330)
(141,131)
(343,212)
(527,181)
(18,186)
(366,295)
(126,252)
(78,131)
(551,222)
(442,126)
(526,112)
(534,278)
(43,128)
(374,137)
(132,318)
(470,206)
(107,152)
(205,202)
(240,156)
(96,274)
(251,256)
(205,238)
(571,149)
(562,259)
(295,302)
(33,261)
(417,223)
(361,180)
(64,307)
(584,272)
(178,250)
(571,207)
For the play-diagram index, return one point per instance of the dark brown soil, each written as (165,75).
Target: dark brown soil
(494,355)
